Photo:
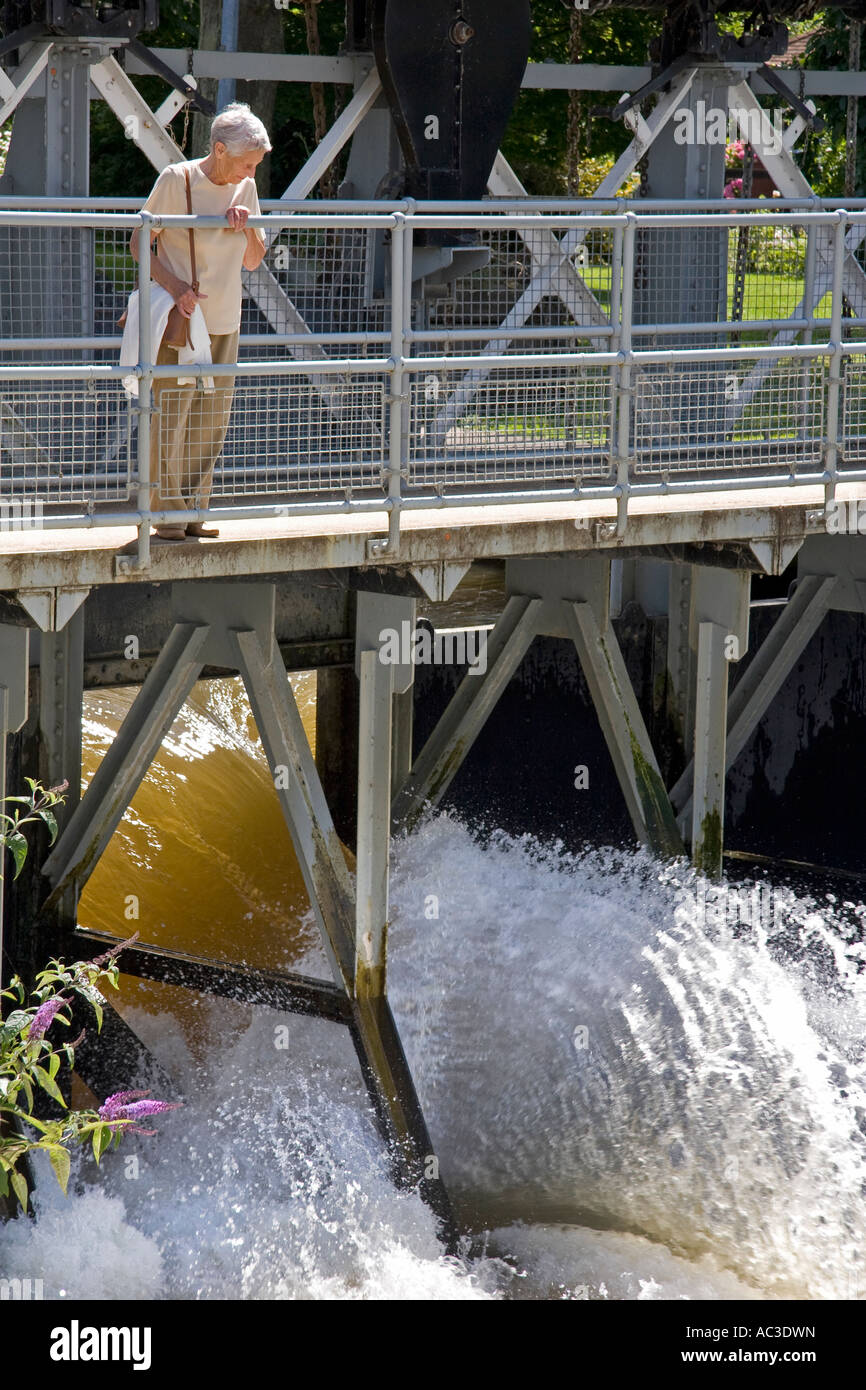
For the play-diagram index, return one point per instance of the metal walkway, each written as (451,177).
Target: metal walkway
(595,352)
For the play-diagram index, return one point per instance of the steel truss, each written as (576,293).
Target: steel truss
(232,626)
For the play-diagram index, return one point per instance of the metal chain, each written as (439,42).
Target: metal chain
(186,111)
(643,162)
(807,133)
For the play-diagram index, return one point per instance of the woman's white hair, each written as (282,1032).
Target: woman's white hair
(239,130)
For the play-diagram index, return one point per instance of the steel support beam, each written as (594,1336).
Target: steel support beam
(61,691)
(374,830)
(402,732)
(571,77)
(624,730)
(375,614)
(297,994)
(711,705)
(320,854)
(340,133)
(323,865)
(32,67)
(467,713)
(543,246)
(125,764)
(680,657)
(765,674)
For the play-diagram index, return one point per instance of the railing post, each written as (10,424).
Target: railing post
(145,391)
(401,308)
(831,437)
(809,313)
(624,390)
(616,324)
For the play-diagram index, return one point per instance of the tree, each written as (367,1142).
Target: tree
(824,155)
(260,30)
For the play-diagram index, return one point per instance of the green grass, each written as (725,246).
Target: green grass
(542,428)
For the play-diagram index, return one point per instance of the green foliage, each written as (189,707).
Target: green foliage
(39,806)
(822,157)
(593,171)
(536,141)
(779,251)
(29,1061)
(536,144)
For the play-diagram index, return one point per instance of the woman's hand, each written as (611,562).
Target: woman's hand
(187,299)
(237,217)
(254,253)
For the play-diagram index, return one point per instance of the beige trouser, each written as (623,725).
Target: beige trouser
(187,431)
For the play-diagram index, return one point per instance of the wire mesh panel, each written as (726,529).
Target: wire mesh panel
(66,441)
(730,276)
(527,278)
(63,282)
(514,425)
(680,277)
(855,297)
(322,280)
(46,281)
(761,413)
(275,437)
(115,277)
(767,273)
(854,413)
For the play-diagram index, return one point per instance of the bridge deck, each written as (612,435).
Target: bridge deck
(76,557)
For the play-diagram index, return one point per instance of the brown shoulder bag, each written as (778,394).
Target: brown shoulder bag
(177,330)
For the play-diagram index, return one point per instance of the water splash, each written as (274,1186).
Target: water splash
(590,1048)
(631,1095)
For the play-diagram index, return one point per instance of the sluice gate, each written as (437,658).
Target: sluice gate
(662,396)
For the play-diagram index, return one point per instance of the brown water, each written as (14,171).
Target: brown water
(203,856)
(202,861)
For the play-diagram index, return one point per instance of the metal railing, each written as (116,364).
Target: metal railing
(397,356)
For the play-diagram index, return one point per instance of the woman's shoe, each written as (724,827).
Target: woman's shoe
(170,533)
(195,528)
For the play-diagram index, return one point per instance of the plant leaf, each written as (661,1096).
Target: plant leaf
(17,1020)
(101,1140)
(17,845)
(60,1162)
(53,1065)
(51,821)
(49,1085)
(19,1187)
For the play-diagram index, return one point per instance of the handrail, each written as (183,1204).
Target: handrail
(423,405)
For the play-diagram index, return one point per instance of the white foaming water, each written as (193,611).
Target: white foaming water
(700,1139)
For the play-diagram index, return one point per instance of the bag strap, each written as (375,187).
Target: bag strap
(192,264)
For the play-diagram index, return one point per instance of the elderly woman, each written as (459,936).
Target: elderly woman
(189,425)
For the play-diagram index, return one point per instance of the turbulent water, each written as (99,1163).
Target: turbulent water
(634,1089)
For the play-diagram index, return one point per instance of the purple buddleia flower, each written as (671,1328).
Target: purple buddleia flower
(44,1016)
(126,1105)
(111,1107)
(115,951)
